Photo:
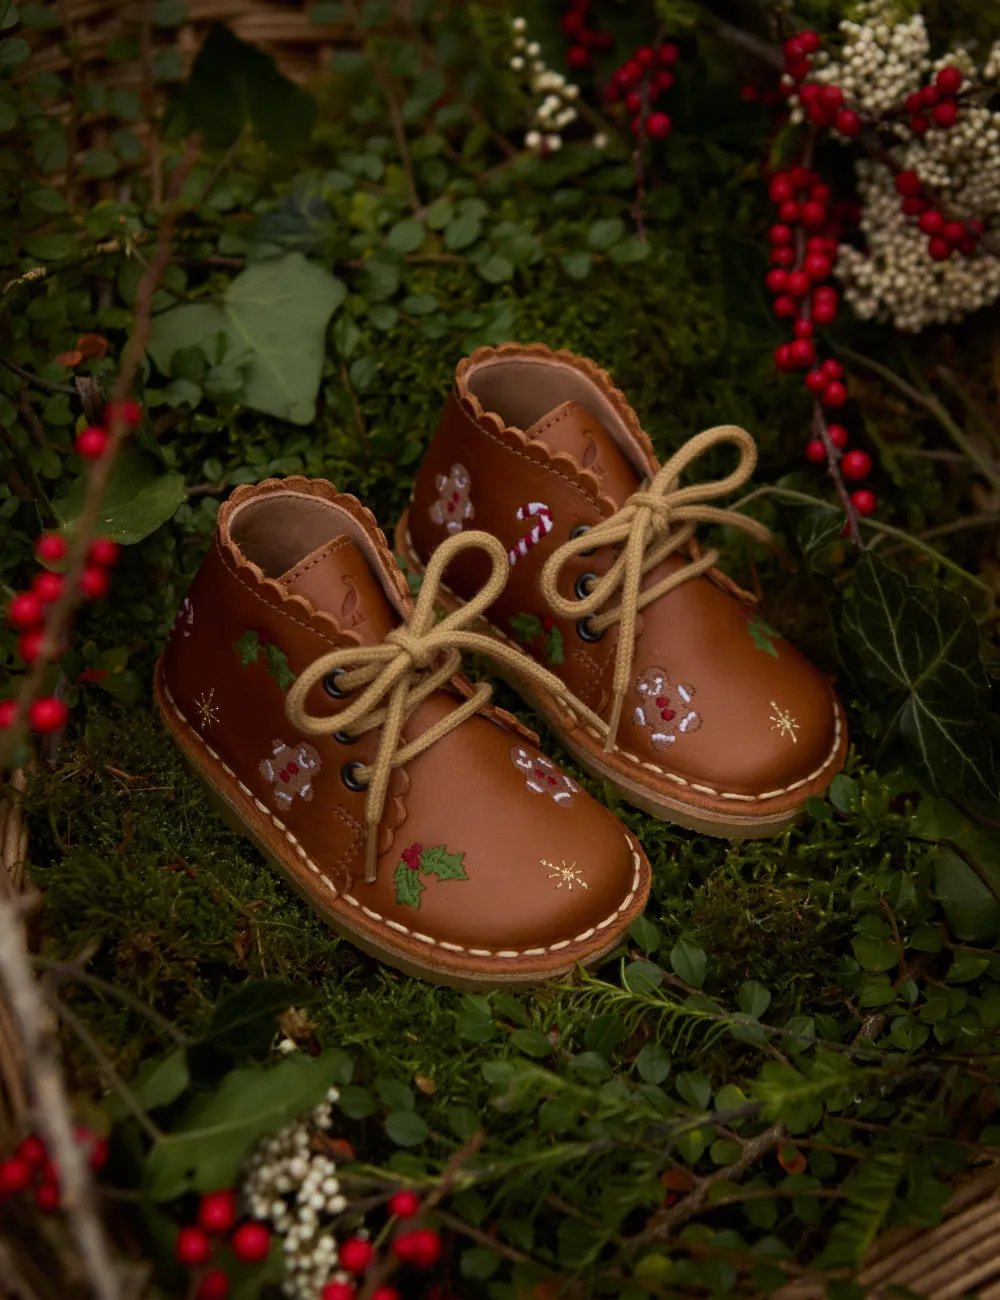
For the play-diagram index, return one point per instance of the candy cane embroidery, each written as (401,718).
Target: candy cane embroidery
(542,516)
(666,713)
(453,506)
(543,777)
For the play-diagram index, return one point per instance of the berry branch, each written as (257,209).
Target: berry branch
(88,557)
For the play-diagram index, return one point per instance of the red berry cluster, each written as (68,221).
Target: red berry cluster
(583,37)
(420,1248)
(249,1241)
(28,610)
(944,237)
(91,443)
(31,1169)
(801,263)
(639,82)
(935,104)
(824,105)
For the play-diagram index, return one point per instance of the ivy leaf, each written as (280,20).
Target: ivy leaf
(234,84)
(139,497)
(204,1148)
(924,644)
(248,648)
(973,911)
(408,886)
(274,317)
(439,862)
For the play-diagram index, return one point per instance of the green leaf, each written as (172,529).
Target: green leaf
(13,52)
(157,1083)
(234,84)
(169,13)
(420,304)
(204,1148)
(923,643)
(99,162)
(642,976)
(139,497)
(243,1024)
(630,250)
(357,1102)
(875,954)
(966,966)
(532,1042)
(870,1191)
(408,886)
(576,264)
(479,1263)
(50,248)
(604,234)
(689,963)
(439,862)
(383,316)
(762,634)
(274,317)
(645,934)
(462,231)
(754,998)
(496,269)
(277,665)
(972,909)
(653,1063)
(845,794)
(383,278)
(696,1091)
(604,1033)
(405,236)
(8,118)
(346,336)
(395,1095)
(525,627)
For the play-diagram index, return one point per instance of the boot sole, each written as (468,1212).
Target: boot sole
(659,803)
(470,971)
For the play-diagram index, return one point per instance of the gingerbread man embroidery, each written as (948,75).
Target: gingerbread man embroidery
(667,713)
(453,506)
(543,777)
(291,769)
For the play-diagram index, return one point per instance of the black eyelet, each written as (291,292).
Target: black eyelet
(331,687)
(344,737)
(585,632)
(582,585)
(348,774)
(579,531)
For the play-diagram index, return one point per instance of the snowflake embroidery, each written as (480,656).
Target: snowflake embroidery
(783,723)
(291,769)
(543,777)
(568,874)
(207,709)
(185,617)
(666,712)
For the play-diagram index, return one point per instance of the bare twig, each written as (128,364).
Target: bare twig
(57,623)
(35,381)
(833,468)
(149,105)
(458,1225)
(358,417)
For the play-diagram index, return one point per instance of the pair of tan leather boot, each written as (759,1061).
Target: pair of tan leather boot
(327,712)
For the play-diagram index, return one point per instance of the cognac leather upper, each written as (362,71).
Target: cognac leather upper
(296,570)
(717,697)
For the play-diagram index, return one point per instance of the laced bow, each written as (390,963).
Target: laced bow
(656,521)
(413,661)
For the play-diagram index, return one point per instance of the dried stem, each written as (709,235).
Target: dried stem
(358,417)
(57,624)
(833,467)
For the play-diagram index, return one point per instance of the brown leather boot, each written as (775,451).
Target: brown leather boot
(327,715)
(674,689)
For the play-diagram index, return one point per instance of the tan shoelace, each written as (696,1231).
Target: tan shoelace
(656,521)
(412,662)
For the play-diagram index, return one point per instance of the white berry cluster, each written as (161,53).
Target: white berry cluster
(882,60)
(896,279)
(885,58)
(555,107)
(991,68)
(296,1190)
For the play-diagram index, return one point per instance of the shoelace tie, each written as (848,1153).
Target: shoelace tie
(400,672)
(656,521)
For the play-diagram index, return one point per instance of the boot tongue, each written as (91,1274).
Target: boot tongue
(571,427)
(336,580)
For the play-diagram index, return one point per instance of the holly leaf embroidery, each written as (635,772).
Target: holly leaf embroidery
(439,862)
(762,634)
(277,665)
(408,886)
(525,626)
(554,646)
(248,648)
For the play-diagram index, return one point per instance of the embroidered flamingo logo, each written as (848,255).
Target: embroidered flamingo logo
(350,610)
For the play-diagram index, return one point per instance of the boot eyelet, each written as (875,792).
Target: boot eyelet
(579,531)
(344,737)
(581,588)
(331,687)
(349,776)
(585,630)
